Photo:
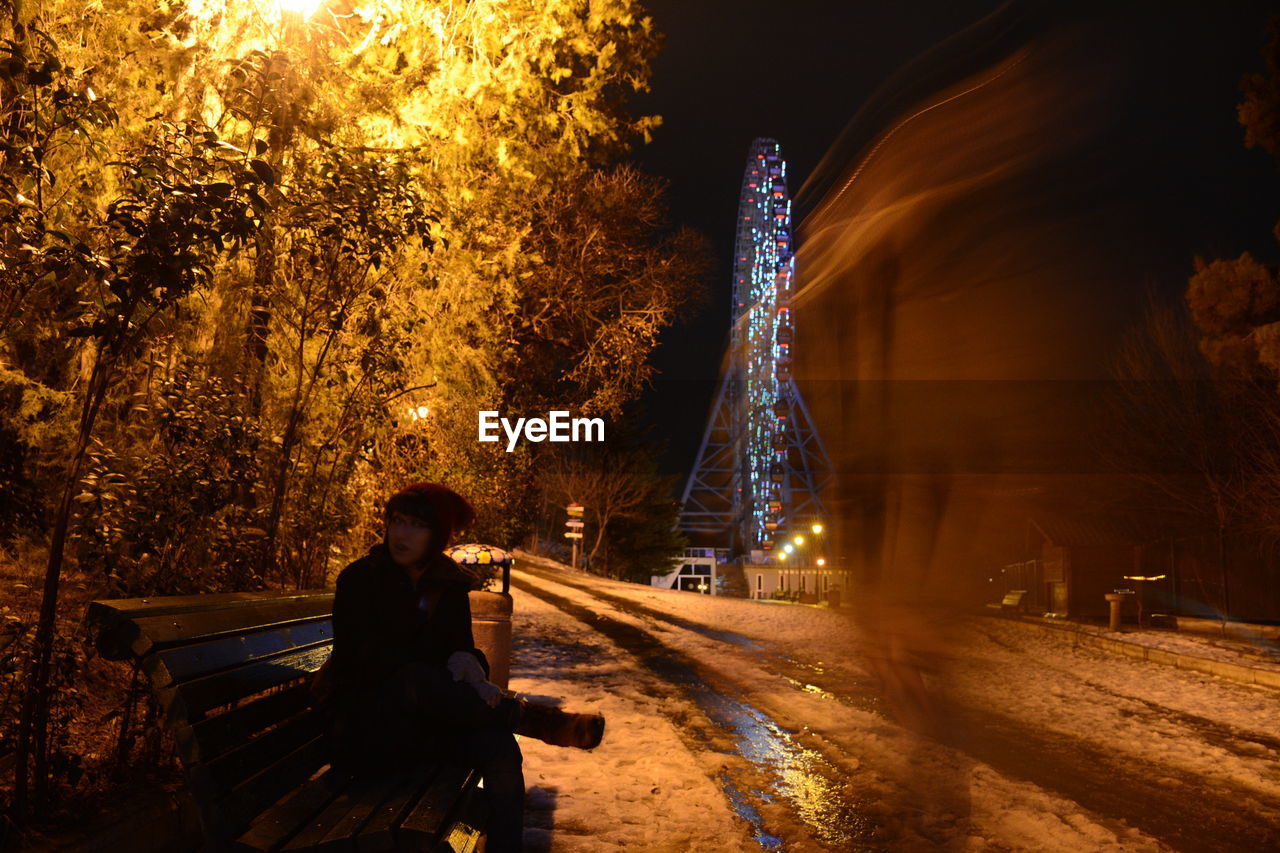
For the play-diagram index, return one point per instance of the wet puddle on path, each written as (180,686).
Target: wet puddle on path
(778,770)
(847,689)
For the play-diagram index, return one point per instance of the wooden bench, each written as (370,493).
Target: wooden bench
(231,675)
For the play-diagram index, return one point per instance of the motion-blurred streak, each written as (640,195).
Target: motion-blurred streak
(969,241)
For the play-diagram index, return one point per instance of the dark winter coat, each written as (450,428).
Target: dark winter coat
(383,622)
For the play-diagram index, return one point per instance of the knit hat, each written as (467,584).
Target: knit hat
(445,510)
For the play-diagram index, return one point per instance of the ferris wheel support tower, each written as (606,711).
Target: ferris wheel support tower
(761,467)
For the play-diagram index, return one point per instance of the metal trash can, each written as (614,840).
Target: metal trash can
(1121,608)
(490,611)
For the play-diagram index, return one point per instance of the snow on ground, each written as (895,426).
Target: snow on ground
(806,667)
(1254,652)
(642,789)
(1182,721)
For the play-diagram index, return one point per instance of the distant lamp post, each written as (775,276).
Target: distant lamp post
(788,548)
(783,556)
(817,529)
(799,540)
(822,561)
(1142,581)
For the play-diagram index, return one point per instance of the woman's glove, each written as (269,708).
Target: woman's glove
(464,667)
(490,693)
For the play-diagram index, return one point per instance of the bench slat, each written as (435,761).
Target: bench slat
(423,824)
(113,619)
(180,629)
(256,795)
(186,701)
(207,739)
(129,608)
(464,833)
(225,772)
(344,834)
(378,835)
(343,817)
(183,663)
(279,823)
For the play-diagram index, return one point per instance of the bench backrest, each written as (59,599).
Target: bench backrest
(231,675)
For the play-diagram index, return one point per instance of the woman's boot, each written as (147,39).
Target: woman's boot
(558,728)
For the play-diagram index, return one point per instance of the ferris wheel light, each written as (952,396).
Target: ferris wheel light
(765,411)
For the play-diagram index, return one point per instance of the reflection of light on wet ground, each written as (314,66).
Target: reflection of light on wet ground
(743,808)
(781,768)
(799,775)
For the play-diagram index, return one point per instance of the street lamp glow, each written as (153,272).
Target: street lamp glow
(788,548)
(305,8)
(799,540)
(822,561)
(817,528)
(783,555)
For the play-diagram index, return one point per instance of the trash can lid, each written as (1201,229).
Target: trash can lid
(478,555)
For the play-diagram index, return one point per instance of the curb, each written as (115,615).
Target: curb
(1231,671)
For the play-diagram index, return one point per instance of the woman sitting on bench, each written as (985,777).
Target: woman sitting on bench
(409,686)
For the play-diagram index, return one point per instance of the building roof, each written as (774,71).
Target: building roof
(1092,530)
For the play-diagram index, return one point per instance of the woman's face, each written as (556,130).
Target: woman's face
(407,538)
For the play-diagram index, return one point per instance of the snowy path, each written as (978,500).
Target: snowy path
(607,799)
(1046,747)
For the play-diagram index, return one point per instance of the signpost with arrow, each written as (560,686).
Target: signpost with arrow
(574,533)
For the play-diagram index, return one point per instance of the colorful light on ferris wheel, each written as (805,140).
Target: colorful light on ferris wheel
(761,465)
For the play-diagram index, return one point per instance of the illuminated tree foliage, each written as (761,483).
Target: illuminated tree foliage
(259,266)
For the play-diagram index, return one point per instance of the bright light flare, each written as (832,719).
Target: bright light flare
(822,561)
(817,529)
(799,540)
(788,548)
(305,8)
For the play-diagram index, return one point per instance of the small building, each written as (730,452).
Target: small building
(695,571)
(1075,562)
(801,583)
(1068,563)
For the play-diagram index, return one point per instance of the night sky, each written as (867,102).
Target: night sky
(1169,152)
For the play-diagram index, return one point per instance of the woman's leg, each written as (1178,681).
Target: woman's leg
(470,731)
(497,756)
(430,691)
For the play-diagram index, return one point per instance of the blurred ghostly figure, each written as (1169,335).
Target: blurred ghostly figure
(952,296)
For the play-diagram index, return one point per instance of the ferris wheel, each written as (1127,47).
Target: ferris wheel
(761,465)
